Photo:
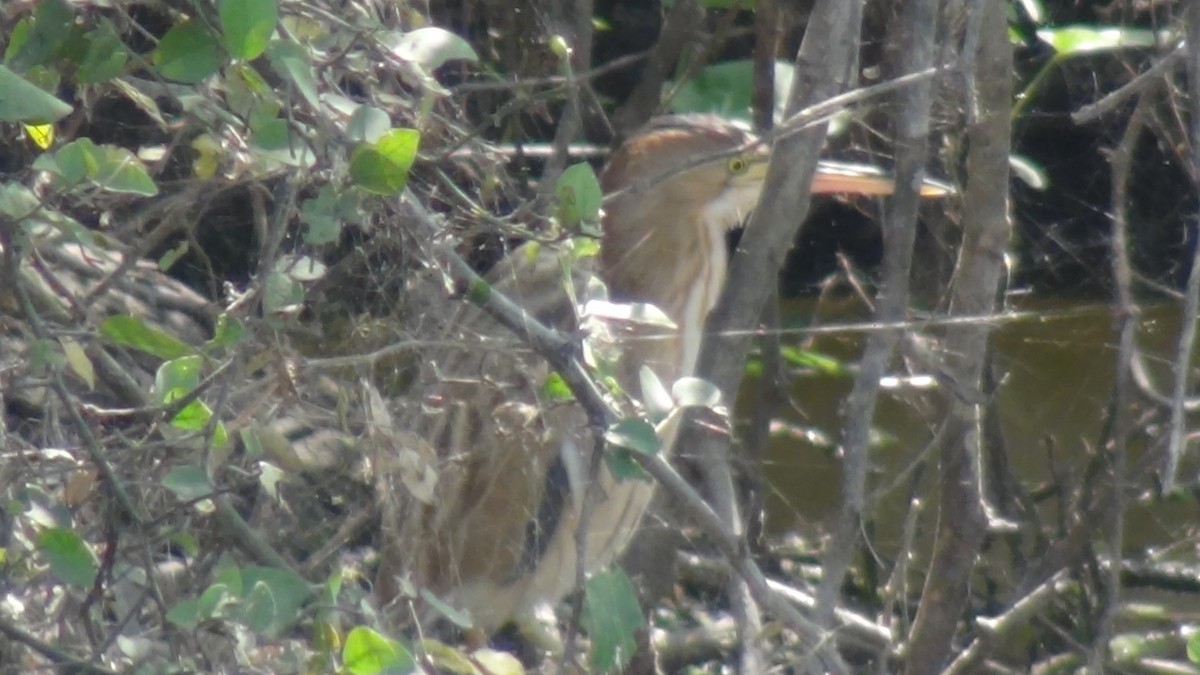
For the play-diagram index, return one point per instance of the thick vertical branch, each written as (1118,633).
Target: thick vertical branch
(823,70)
(917,28)
(961,515)
(1187,334)
(766,31)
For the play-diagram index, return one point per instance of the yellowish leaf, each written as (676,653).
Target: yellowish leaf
(78,361)
(42,135)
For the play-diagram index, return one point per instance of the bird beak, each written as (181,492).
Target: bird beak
(861,179)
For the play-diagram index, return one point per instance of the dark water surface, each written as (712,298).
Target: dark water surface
(1056,360)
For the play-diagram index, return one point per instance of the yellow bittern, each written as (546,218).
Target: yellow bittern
(497,535)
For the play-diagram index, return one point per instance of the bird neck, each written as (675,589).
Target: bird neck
(680,271)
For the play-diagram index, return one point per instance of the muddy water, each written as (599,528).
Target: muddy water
(1057,365)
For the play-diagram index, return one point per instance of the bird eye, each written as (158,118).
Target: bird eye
(738,165)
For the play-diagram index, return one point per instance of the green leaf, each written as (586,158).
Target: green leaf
(634,434)
(188,483)
(1076,40)
(579,196)
(40,42)
(430,47)
(121,171)
(369,653)
(248,25)
(78,160)
(282,294)
(813,360)
(185,614)
(555,389)
(70,558)
(1193,647)
(193,417)
(479,292)
(180,374)
(110,167)
(727,88)
(259,610)
(215,598)
(291,60)
(382,167)
(104,56)
(367,124)
(229,331)
(275,598)
(447,659)
(131,331)
(631,435)
(24,101)
(167,260)
(47,355)
(320,215)
(611,616)
(188,53)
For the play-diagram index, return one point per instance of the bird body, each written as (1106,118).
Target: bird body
(499,538)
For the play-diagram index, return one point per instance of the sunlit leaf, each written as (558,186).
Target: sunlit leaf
(132,331)
(42,135)
(555,389)
(632,312)
(431,47)
(78,361)
(167,260)
(693,392)
(180,374)
(247,25)
(655,396)
(369,653)
(382,167)
(812,360)
(1076,40)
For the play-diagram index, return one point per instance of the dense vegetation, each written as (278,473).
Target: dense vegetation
(229,228)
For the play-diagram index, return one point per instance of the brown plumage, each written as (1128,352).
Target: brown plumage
(497,538)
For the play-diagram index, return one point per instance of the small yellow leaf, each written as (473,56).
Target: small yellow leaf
(78,361)
(42,135)
(208,153)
